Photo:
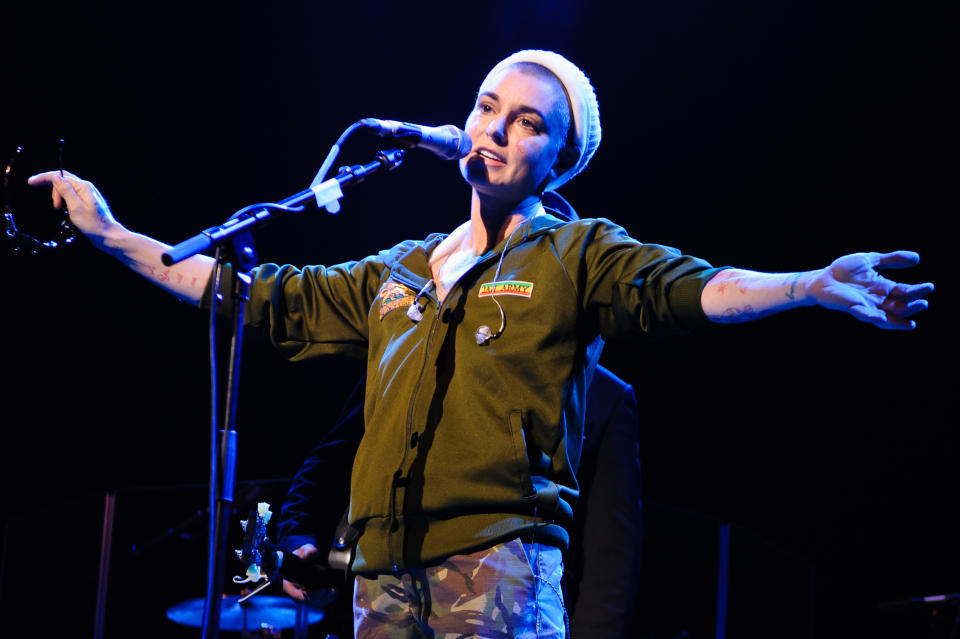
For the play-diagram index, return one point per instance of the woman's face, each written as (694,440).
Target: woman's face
(517,131)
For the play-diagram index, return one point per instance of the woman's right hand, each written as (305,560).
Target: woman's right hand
(86,206)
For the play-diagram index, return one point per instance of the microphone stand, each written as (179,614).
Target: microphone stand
(233,242)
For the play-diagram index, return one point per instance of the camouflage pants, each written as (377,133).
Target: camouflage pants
(509,591)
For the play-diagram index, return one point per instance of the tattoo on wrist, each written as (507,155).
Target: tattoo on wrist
(792,281)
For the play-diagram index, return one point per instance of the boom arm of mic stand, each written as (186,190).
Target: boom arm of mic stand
(327,194)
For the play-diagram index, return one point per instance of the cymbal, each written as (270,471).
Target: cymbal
(255,613)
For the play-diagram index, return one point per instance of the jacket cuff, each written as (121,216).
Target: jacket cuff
(685,297)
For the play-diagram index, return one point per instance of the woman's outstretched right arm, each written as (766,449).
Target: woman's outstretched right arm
(91,215)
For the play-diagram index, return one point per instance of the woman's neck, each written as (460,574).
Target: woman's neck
(484,230)
(492,221)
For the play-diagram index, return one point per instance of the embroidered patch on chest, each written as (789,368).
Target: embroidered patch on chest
(393,296)
(521,289)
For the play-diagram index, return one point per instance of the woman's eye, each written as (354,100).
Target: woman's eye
(527,123)
(484,108)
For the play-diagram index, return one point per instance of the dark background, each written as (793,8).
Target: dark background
(774,136)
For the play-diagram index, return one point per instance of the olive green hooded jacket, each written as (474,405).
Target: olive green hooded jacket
(468,444)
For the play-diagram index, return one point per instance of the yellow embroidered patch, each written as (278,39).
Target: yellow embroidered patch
(393,296)
(521,289)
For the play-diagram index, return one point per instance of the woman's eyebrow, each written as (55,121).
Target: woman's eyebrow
(523,108)
(529,109)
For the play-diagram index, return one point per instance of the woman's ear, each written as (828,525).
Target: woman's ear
(566,159)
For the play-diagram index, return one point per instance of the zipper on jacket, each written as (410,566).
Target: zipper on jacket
(408,430)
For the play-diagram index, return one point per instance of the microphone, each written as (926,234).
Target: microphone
(447,141)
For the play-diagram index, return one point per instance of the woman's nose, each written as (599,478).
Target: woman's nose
(497,130)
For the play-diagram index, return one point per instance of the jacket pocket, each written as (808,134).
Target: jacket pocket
(520,451)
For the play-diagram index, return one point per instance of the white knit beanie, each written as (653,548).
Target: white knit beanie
(585,114)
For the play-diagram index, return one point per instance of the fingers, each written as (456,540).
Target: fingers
(294,591)
(51,177)
(914,307)
(898,324)
(905,309)
(66,190)
(882,319)
(82,200)
(896,259)
(867,314)
(306,550)
(902,300)
(910,292)
(43,178)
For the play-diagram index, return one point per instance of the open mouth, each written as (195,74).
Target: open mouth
(490,155)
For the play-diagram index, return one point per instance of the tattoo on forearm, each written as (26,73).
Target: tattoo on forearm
(162,275)
(728,279)
(740,314)
(746,313)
